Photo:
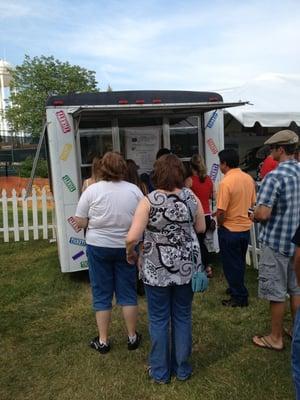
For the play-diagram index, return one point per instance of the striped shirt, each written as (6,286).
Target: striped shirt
(280,190)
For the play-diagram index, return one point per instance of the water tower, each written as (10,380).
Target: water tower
(5,78)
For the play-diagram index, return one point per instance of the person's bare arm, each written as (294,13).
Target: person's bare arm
(199,225)
(220,215)
(188,182)
(135,233)
(223,199)
(262,213)
(81,222)
(214,193)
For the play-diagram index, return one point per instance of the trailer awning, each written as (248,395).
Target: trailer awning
(177,109)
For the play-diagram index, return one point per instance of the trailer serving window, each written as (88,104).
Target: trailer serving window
(93,142)
(184,136)
(137,138)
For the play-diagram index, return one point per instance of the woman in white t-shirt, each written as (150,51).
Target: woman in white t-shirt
(106,209)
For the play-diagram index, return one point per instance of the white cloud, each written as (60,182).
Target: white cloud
(124,40)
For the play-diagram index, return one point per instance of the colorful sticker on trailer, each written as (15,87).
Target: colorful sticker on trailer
(78,255)
(63,121)
(73,224)
(66,152)
(77,241)
(84,264)
(69,183)
(214,172)
(212,146)
(212,119)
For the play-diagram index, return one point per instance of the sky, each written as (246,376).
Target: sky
(157,44)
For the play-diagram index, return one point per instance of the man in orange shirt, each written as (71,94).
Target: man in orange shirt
(236,194)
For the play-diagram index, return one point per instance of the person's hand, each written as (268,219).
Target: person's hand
(251,214)
(132,257)
(209,271)
(251,217)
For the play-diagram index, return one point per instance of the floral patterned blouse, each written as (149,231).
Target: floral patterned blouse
(170,240)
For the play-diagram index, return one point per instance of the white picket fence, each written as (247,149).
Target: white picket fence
(43,221)
(16,213)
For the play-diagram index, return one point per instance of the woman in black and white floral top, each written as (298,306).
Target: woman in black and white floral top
(168,239)
(166,216)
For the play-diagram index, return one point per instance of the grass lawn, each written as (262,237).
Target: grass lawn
(46,322)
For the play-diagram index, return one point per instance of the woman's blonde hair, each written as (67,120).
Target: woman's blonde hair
(198,165)
(96,169)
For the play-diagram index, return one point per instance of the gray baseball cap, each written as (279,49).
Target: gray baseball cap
(283,137)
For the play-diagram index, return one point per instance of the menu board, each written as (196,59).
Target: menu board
(141,145)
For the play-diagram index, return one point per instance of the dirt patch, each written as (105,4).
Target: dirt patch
(15,182)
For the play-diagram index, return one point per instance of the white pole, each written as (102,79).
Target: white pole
(25,215)
(2,109)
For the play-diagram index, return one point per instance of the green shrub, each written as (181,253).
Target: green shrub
(26,167)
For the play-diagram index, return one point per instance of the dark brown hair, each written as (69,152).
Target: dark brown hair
(288,148)
(113,167)
(169,173)
(132,176)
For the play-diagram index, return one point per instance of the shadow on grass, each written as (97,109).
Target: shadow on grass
(79,276)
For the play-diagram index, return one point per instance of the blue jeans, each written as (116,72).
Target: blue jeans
(110,273)
(170,316)
(296,354)
(233,249)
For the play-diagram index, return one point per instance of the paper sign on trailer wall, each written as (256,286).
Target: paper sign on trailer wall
(142,145)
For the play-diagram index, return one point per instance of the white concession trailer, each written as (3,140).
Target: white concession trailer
(135,123)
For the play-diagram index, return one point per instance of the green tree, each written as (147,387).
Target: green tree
(34,81)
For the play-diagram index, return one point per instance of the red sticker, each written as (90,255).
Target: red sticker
(73,224)
(63,121)
(212,146)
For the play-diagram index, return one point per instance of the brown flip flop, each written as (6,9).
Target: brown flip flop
(265,344)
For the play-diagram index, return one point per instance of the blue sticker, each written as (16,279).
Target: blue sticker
(214,172)
(212,119)
(77,241)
